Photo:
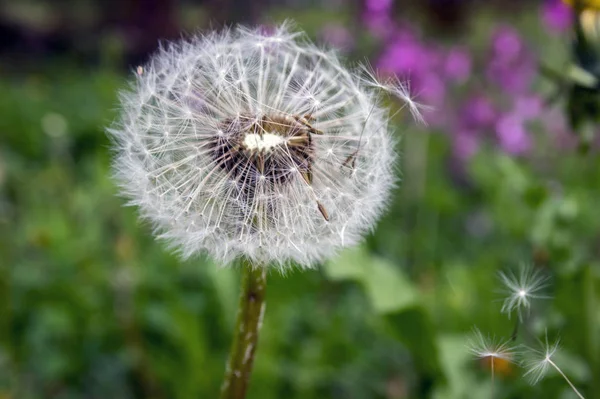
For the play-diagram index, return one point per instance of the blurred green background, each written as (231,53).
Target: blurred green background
(91,306)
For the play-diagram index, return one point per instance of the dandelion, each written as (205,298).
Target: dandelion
(264,146)
(520,289)
(259,146)
(537,363)
(490,348)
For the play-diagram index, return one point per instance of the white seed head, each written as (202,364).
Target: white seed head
(489,347)
(242,143)
(537,362)
(520,289)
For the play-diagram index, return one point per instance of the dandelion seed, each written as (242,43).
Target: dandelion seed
(521,289)
(489,347)
(243,143)
(537,363)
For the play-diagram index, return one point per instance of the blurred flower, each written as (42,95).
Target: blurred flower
(520,289)
(407,55)
(379,24)
(337,36)
(379,5)
(512,135)
(557,16)
(457,66)
(465,144)
(250,143)
(474,101)
(478,111)
(510,66)
(377,17)
(431,89)
(528,106)
(506,44)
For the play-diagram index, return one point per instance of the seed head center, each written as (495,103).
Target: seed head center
(262,142)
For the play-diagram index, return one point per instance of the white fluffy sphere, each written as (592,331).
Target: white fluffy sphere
(243,143)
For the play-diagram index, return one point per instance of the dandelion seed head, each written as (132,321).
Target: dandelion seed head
(521,289)
(246,143)
(483,347)
(537,362)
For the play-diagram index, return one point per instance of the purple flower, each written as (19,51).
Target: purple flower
(496,105)
(512,135)
(557,16)
(478,112)
(511,67)
(465,144)
(377,17)
(337,36)
(431,89)
(407,56)
(378,6)
(379,24)
(513,81)
(457,65)
(528,106)
(506,45)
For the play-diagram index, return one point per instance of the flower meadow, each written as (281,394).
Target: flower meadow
(408,191)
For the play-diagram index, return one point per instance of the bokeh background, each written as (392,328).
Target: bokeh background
(505,173)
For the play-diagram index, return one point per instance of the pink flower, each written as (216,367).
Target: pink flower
(407,56)
(478,111)
(557,16)
(528,106)
(506,44)
(511,134)
(457,65)
(338,36)
(465,144)
(378,5)
(379,24)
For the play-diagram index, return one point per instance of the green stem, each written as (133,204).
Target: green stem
(591,330)
(251,309)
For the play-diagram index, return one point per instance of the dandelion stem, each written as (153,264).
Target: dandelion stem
(249,319)
(492,387)
(565,377)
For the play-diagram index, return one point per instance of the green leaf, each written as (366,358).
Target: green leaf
(349,265)
(386,286)
(392,295)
